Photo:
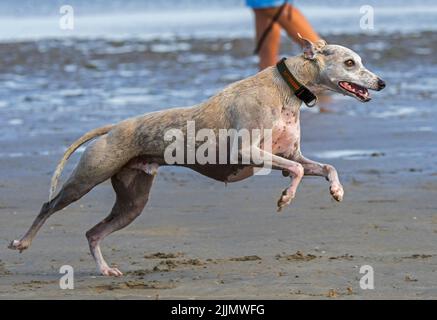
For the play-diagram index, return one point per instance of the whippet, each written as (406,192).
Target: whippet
(130,152)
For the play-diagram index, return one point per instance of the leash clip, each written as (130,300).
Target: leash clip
(304,94)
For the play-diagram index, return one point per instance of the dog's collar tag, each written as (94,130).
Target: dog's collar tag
(302,92)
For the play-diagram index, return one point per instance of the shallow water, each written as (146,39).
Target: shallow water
(66,85)
(202,18)
(75,84)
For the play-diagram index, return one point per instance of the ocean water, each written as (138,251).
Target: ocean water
(125,58)
(213,18)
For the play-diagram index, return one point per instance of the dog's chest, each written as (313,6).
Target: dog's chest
(286,133)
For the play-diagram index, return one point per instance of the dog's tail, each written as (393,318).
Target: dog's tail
(76,144)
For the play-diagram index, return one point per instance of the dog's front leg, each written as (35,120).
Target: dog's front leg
(313,168)
(294,169)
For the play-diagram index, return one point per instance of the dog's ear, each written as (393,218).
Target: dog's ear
(320,44)
(309,49)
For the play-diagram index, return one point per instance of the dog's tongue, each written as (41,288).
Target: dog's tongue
(354,88)
(351,86)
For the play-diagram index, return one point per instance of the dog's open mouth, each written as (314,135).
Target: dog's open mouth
(358,91)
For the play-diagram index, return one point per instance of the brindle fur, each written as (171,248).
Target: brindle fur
(125,152)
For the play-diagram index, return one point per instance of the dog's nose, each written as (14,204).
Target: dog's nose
(381,84)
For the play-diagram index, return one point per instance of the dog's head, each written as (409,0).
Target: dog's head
(341,70)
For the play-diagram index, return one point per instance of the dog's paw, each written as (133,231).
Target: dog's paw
(284,200)
(111,272)
(337,191)
(19,245)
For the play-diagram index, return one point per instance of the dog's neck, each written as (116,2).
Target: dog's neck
(305,71)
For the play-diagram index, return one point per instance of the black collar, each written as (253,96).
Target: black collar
(302,92)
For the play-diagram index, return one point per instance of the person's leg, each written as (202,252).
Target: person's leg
(292,21)
(268,53)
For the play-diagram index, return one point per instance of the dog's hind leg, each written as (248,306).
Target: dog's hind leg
(67,195)
(132,189)
(96,165)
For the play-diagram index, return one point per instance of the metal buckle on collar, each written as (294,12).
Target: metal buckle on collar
(304,94)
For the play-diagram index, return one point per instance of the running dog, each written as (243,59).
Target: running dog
(130,152)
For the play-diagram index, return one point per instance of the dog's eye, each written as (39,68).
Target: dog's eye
(349,63)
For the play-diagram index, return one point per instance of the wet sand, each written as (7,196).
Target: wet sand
(199,239)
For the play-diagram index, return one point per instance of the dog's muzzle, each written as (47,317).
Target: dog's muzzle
(381,84)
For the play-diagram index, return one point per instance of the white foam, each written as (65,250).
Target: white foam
(422,51)
(12,155)
(348,154)
(15,122)
(127,99)
(394,112)
(70,68)
(170,47)
(123,49)
(72,92)
(27,154)
(423,129)
(130,91)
